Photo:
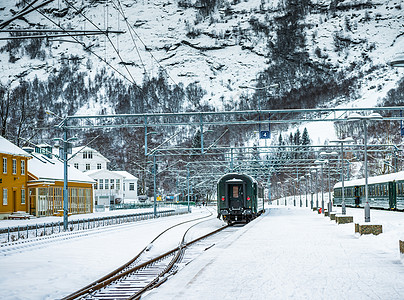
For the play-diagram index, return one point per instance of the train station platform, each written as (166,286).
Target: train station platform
(295,253)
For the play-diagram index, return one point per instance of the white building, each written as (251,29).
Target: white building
(88,159)
(113,187)
(129,186)
(109,187)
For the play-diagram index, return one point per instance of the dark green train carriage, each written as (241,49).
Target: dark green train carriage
(240,198)
(384,192)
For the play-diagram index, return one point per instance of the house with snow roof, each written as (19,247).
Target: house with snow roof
(129,186)
(13,179)
(113,187)
(87,159)
(45,185)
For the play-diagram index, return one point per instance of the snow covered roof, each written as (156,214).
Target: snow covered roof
(372,180)
(101,172)
(236,176)
(45,168)
(86,148)
(125,174)
(8,147)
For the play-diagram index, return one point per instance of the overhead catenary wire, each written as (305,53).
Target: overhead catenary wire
(144,44)
(121,11)
(26,10)
(107,36)
(88,49)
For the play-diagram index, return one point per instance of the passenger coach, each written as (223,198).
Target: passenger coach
(240,198)
(384,192)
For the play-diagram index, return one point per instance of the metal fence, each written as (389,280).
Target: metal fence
(12,234)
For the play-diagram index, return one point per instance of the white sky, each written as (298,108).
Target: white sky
(287,253)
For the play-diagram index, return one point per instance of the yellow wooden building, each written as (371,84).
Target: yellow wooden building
(32,182)
(14,178)
(45,185)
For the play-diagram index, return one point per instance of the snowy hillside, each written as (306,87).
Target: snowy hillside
(220,44)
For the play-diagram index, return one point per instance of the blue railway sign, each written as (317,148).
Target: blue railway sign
(265,134)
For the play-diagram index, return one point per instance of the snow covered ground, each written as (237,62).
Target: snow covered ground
(294,253)
(289,252)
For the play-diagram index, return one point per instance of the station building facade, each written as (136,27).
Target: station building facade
(14,178)
(45,187)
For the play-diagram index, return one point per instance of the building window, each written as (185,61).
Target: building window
(112,181)
(131,186)
(118,184)
(76,165)
(5,165)
(98,166)
(87,167)
(101,184)
(106,184)
(22,196)
(14,166)
(4,196)
(87,154)
(22,167)
(96,184)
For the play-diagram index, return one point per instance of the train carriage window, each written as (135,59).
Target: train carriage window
(235,191)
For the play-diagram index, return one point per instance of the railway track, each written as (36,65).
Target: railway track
(141,273)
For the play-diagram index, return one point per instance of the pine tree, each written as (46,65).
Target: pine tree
(305,142)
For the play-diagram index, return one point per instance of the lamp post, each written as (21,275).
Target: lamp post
(315,169)
(321,162)
(311,190)
(329,183)
(342,141)
(300,192)
(66,142)
(307,189)
(286,181)
(364,119)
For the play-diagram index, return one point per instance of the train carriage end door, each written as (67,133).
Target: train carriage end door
(357,196)
(236,195)
(392,195)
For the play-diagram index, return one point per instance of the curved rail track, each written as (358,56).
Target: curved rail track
(137,276)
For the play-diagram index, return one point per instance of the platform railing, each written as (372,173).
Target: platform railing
(15,233)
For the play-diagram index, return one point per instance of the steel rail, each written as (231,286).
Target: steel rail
(151,262)
(99,283)
(176,259)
